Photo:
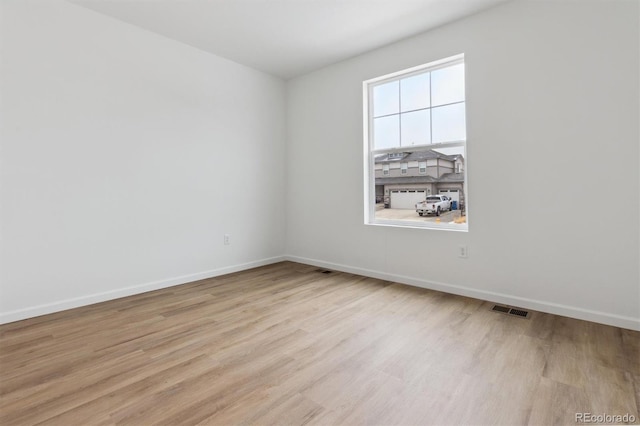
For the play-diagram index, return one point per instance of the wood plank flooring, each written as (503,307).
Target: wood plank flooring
(287,345)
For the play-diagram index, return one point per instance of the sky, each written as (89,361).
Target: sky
(420,109)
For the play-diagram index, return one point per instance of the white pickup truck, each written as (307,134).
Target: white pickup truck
(433,204)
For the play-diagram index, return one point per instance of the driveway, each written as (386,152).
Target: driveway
(406,214)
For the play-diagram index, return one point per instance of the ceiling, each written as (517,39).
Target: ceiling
(287,38)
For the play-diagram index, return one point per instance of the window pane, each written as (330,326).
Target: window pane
(386,99)
(449,123)
(414,92)
(417,180)
(386,132)
(447,85)
(416,128)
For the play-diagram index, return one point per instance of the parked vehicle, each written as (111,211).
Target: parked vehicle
(434,204)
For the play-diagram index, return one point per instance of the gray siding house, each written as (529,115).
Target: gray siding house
(404,178)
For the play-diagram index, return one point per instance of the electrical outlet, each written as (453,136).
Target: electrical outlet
(227,239)
(463,252)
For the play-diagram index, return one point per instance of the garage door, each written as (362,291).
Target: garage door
(406,199)
(454,194)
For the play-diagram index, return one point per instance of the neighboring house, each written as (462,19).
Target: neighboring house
(404,178)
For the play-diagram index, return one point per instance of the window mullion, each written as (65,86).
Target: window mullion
(430,112)
(399,113)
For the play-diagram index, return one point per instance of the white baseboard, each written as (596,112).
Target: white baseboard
(537,305)
(76,302)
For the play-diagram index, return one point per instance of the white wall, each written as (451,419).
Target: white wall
(552,112)
(125,158)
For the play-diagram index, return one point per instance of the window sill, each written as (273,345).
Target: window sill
(419,225)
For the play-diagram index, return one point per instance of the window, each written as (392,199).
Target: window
(417,118)
(422,167)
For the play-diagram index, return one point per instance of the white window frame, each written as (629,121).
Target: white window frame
(386,170)
(369,166)
(404,168)
(422,170)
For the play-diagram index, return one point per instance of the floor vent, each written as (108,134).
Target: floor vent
(519,312)
(498,308)
(511,311)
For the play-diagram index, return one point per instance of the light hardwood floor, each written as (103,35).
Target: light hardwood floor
(285,344)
